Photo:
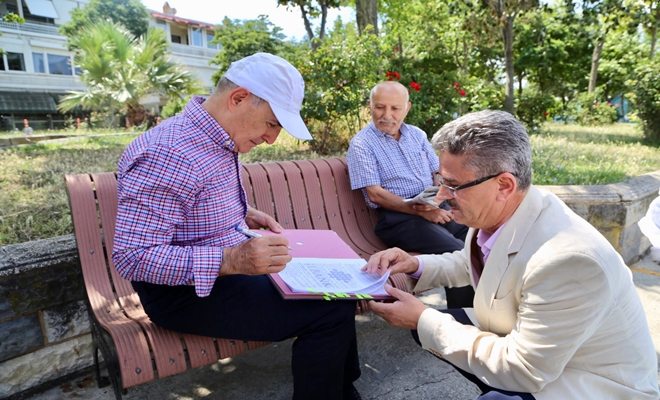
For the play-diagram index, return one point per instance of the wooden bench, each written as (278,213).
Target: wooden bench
(305,194)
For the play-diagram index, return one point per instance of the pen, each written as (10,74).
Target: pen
(247,232)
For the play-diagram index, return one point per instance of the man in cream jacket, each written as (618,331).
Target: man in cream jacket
(555,315)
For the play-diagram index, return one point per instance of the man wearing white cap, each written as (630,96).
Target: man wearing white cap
(181,219)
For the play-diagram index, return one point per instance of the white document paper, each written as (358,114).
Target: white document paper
(332,275)
(427,196)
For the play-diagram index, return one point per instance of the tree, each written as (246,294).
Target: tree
(366,13)
(239,39)
(119,70)
(602,16)
(506,12)
(131,14)
(310,9)
(552,51)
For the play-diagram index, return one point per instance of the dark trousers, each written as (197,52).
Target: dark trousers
(415,234)
(488,392)
(324,360)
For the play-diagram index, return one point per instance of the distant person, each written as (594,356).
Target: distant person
(181,218)
(556,315)
(390,161)
(27,129)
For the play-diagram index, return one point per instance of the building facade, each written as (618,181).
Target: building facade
(36,68)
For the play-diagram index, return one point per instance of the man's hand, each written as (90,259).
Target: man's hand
(404,312)
(395,260)
(258,256)
(434,214)
(256,219)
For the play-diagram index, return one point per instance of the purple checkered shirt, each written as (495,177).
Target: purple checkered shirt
(180,199)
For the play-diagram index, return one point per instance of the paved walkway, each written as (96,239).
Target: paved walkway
(393,366)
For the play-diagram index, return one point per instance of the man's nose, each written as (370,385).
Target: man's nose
(443,194)
(270,137)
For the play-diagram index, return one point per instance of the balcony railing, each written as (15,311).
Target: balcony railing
(182,49)
(30,27)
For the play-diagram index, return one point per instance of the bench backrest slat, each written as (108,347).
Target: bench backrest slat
(312,186)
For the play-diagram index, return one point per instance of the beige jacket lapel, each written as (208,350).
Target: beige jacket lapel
(501,274)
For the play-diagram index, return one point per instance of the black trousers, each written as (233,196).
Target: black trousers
(415,234)
(488,392)
(324,360)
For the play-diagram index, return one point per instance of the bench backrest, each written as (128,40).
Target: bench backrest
(313,194)
(305,194)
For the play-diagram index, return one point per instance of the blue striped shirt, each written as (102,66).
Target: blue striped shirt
(179,200)
(404,167)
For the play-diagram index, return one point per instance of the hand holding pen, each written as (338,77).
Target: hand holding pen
(258,256)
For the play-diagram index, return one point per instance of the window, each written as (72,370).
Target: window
(176,39)
(59,65)
(161,25)
(42,8)
(38,61)
(15,61)
(209,41)
(196,37)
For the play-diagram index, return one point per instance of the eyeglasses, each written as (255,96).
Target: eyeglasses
(453,189)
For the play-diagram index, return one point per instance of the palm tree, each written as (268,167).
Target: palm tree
(119,70)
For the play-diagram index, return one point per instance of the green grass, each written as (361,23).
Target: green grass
(574,155)
(33,201)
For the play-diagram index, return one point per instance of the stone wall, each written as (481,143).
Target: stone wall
(44,327)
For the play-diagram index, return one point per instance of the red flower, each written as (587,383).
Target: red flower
(462,93)
(392,76)
(415,86)
(457,85)
(545,114)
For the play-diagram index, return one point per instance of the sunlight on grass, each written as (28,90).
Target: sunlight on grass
(33,201)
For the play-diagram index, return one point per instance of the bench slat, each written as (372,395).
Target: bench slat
(279,190)
(360,219)
(312,185)
(130,342)
(299,199)
(263,200)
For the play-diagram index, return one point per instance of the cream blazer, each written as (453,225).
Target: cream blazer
(555,309)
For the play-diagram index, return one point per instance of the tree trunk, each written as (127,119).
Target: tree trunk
(324,17)
(308,25)
(654,38)
(507,33)
(366,13)
(595,61)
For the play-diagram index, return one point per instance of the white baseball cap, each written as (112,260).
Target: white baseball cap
(279,83)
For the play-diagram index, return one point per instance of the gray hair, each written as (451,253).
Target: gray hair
(225,84)
(384,83)
(492,141)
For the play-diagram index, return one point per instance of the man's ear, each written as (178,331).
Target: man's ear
(237,96)
(409,106)
(508,185)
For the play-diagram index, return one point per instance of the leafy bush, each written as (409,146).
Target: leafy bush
(534,107)
(647,93)
(338,76)
(588,109)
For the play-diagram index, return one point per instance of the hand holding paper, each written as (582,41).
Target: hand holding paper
(427,196)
